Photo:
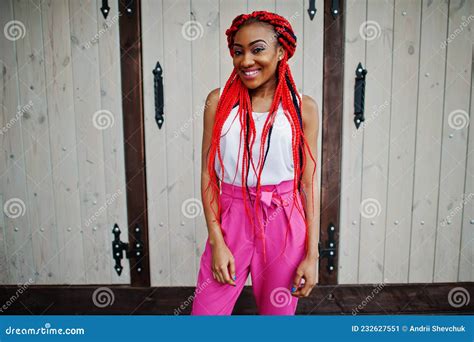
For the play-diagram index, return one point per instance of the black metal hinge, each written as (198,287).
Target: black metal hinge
(329,251)
(118,247)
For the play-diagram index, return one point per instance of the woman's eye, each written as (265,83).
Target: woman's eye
(237,53)
(257,50)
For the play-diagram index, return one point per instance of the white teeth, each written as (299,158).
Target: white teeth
(250,73)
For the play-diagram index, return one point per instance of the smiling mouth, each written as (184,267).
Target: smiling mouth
(250,74)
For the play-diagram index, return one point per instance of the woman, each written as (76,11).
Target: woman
(257,220)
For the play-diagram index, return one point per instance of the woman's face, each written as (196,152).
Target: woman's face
(256,54)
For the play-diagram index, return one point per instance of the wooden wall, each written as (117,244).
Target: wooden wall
(188,38)
(407,210)
(62,164)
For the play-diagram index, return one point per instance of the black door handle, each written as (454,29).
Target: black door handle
(359,95)
(158,84)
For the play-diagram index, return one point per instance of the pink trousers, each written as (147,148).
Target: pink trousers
(272,278)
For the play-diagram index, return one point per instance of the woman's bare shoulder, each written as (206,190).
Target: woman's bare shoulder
(211,102)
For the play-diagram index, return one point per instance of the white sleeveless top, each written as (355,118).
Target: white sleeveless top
(279,164)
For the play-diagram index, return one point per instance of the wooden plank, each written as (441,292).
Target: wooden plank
(36,145)
(428,135)
(228,10)
(113,140)
(466,257)
(331,125)
(205,64)
(324,300)
(91,119)
(352,152)
(373,205)
(402,140)
(261,5)
(454,144)
(134,140)
(311,45)
(61,116)
(4,271)
(310,40)
(178,105)
(156,145)
(35,139)
(17,231)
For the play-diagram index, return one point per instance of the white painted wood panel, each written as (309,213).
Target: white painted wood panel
(408,160)
(466,257)
(17,232)
(402,140)
(352,152)
(428,147)
(454,143)
(376,140)
(156,146)
(178,106)
(48,116)
(311,49)
(260,5)
(108,42)
(35,136)
(205,59)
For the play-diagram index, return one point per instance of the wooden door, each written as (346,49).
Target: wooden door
(188,39)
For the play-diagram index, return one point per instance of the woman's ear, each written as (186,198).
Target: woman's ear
(281,53)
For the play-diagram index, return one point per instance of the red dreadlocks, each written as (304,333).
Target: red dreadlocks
(236,92)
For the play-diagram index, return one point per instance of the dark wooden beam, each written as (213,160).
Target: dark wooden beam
(331,149)
(134,134)
(328,300)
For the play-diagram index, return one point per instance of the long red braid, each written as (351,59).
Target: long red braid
(235,92)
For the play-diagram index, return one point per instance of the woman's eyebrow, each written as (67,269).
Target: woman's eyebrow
(255,41)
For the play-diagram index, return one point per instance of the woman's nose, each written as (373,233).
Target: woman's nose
(247,60)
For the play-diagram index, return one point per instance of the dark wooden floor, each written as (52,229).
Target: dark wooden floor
(324,300)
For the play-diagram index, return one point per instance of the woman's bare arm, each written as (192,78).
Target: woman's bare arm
(213,226)
(309,184)
(223,263)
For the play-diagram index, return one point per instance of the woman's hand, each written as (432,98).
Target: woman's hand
(223,264)
(307,271)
